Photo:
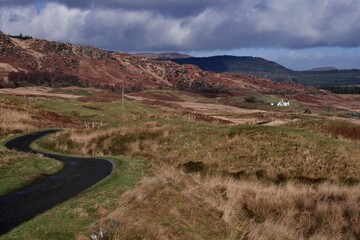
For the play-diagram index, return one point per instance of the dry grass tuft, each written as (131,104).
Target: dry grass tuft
(290,211)
(80,212)
(143,140)
(160,208)
(171,205)
(14,117)
(20,115)
(8,158)
(14,121)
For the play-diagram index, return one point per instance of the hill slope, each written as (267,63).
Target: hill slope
(96,66)
(42,62)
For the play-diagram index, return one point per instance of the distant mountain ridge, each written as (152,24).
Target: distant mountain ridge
(228,63)
(323,76)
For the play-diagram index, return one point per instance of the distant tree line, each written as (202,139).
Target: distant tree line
(56,80)
(36,78)
(21,36)
(343,89)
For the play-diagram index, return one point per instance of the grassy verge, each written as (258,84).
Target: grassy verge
(66,220)
(19,169)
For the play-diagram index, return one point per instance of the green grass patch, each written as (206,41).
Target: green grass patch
(108,113)
(72,91)
(18,170)
(268,99)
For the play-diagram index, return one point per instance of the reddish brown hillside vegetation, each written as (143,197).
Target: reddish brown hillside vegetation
(98,68)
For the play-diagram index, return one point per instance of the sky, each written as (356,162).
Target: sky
(299,34)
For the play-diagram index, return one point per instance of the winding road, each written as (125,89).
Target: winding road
(77,175)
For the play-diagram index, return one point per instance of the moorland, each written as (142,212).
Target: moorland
(198,155)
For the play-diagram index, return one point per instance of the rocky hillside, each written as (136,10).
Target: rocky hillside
(98,66)
(40,59)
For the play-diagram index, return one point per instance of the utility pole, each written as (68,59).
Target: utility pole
(122,99)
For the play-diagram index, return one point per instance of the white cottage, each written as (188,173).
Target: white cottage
(283,103)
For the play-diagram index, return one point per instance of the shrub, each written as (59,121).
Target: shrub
(250,99)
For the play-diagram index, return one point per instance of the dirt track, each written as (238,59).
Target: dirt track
(77,175)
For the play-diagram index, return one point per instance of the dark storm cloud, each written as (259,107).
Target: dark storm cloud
(163,25)
(167,7)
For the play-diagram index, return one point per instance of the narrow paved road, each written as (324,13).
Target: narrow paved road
(77,175)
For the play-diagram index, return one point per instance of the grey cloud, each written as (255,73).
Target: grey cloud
(169,25)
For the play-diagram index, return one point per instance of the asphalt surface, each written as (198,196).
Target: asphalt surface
(77,175)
